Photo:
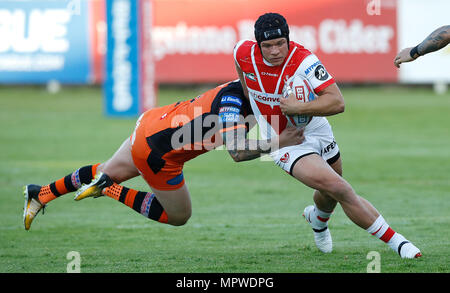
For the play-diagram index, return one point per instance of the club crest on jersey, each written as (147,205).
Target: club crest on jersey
(250,76)
(285,158)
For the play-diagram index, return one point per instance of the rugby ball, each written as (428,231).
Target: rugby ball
(304,93)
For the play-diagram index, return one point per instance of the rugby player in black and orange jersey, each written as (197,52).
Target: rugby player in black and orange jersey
(163,140)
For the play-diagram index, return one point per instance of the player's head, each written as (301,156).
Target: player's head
(272,34)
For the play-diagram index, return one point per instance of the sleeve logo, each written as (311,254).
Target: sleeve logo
(310,68)
(231,100)
(321,73)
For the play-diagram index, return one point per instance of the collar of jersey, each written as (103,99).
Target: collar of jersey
(268,63)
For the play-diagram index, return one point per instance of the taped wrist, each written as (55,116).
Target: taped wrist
(414,51)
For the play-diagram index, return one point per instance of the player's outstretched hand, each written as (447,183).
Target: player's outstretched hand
(403,56)
(291,136)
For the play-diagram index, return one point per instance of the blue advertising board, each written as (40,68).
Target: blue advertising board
(122,80)
(44,40)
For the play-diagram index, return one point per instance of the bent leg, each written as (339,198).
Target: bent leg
(327,203)
(324,201)
(170,201)
(314,172)
(171,207)
(176,204)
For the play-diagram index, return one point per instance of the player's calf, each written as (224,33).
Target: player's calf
(142,202)
(67,184)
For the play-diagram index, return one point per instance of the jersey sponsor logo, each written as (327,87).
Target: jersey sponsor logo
(229,117)
(250,76)
(321,73)
(265,98)
(329,147)
(232,100)
(229,110)
(300,93)
(269,74)
(285,158)
(311,67)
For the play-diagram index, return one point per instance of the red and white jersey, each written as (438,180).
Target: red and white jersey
(265,82)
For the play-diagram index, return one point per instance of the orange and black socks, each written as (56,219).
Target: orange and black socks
(144,203)
(69,183)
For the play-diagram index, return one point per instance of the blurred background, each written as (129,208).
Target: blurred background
(129,49)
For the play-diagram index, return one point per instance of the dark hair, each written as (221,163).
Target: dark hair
(271,26)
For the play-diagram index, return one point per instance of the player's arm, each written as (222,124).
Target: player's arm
(438,39)
(241,78)
(329,102)
(242,149)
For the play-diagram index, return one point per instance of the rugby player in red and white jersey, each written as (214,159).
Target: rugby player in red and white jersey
(263,67)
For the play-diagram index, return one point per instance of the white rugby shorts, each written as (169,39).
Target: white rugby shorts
(318,140)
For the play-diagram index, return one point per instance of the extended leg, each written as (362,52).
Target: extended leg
(314,172)
(120,166)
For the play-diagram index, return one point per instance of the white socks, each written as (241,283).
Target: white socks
(396,241)
(319,218)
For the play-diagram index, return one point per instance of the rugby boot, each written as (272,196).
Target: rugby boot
(95,188)
(405,248)
(32,204)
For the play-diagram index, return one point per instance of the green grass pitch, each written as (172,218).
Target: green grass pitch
(395,144)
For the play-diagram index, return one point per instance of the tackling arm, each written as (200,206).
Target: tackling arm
(242,149)
(245,149)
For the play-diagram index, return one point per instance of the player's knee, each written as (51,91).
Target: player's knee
(106,168)
(180,219)
(339,189)
(119,171)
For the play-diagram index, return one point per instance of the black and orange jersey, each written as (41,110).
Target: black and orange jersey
(166,137)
